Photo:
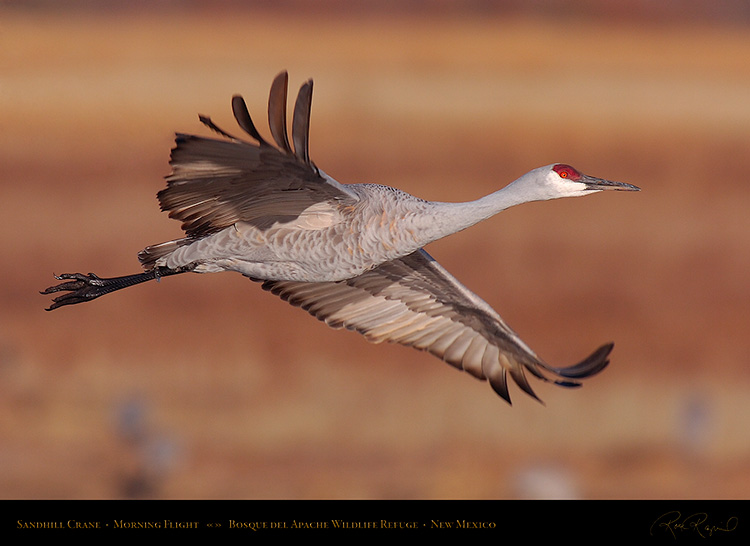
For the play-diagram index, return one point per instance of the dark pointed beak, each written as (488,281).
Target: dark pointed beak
(598,184)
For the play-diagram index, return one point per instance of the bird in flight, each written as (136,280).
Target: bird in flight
(350,254)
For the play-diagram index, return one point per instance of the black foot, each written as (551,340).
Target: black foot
(82,288)
(88,287)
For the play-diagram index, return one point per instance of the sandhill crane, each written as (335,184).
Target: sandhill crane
(350,254)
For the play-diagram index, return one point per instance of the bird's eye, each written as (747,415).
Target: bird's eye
(566,171)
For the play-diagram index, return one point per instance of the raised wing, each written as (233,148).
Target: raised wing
(216,183)
(416,302)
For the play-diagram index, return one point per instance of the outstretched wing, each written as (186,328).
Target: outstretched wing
(216,183)
(415,302)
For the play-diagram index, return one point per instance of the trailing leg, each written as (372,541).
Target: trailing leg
(83,288)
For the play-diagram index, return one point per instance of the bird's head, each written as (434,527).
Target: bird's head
(560,180)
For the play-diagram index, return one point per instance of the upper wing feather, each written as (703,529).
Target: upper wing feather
(216,183)
(415,302)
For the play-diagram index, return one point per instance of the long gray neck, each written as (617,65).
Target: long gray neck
(443,219)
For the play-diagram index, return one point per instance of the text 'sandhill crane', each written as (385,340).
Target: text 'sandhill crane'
(349,254)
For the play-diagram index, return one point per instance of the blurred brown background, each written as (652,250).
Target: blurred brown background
(208,387)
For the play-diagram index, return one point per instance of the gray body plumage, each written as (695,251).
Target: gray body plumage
(331,240)
(350,254)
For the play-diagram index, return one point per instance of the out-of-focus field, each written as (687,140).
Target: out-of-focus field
(208,387)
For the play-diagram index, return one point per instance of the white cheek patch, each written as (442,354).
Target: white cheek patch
(580,188)
(565,187)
